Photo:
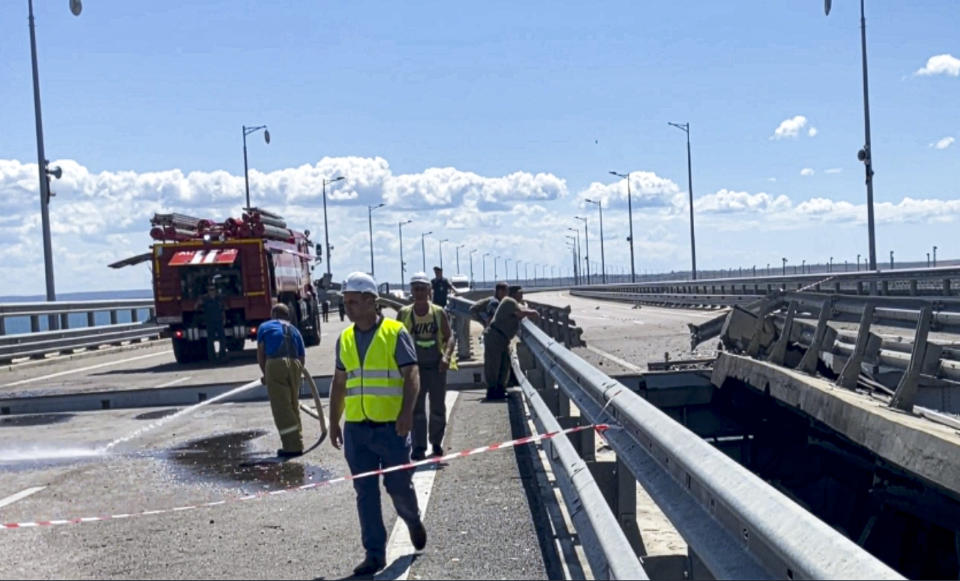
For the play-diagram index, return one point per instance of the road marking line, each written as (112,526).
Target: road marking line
(399,548)
(615,359)
(20,495)
(174,382)
(97,366)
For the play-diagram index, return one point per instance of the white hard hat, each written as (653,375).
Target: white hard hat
(420,277)
(360,282)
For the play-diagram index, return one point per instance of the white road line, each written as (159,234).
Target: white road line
(615,359)
(82,369)
(400,550)
(20,495)
(174,382)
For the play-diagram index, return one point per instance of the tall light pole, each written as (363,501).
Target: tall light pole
(495,259)
(506,268)
(423,248)
(326,228)
(934,256)
(266,137)
(784,266)
(43,165)
(472,282)
(603,261)
(516,265)
(578,274)
(685,127)
(403,265)
(586,240)
(441,251)
(458,257)
(484,261)
(865,155)
(626,176)
(370,210)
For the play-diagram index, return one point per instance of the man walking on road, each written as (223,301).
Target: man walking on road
(375,383)
(325,309)
(496,341)
(441,287)
(430,328)
(211,305)
(281,355)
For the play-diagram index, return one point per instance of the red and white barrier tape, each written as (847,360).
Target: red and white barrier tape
(408,466)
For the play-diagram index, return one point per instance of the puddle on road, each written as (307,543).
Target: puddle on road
(229,459)
(33,420)
(156,414)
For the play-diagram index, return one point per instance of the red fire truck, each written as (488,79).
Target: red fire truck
(254,262)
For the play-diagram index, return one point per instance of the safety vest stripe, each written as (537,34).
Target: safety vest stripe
(372,374)
(288,430)
(367,390)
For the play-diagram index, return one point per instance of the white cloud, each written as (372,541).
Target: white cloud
(807,171)
(941,64)
(727,201)
(833,170)
(791,128)
(943,143)
(647,189)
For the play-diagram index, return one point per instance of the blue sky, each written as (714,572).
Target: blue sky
(554,94)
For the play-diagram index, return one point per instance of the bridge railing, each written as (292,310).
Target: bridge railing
(736,524)
(72,334)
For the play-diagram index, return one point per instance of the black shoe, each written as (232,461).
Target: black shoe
(418,455)
(418,535)
(437,451)
(286,454)
(369,566)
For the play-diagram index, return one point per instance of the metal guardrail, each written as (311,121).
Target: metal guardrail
(735,523)
(556,322)
(38,343)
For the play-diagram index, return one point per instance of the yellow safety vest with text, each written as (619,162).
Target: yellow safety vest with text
(375,387)
(435,312)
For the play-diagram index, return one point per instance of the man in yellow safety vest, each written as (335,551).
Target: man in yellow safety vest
(428,324)
(375,385)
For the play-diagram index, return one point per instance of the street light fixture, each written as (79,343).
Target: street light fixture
(326,228)
(626,176)
(458,257)
(423,248)
(685,127)
(266,137)
(43,166)
(784,266)
(603,261)
(866,154)
(472,282)
(403,265)
(586,239)
(370,210)
(577,274)
(441,251)
(934,256)
(506,268)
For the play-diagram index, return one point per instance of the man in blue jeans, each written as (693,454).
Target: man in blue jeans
(375,386)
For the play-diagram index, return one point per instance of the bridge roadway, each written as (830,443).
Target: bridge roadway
(487,515)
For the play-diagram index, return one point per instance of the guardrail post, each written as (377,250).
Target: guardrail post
(3,326)
(859,287)
(64,321)
(34,323)
(946,287)
(113,317)
(779,351)
(906,393)
(913,287)
(885,288)
(619,488)
(851,369)
(809,362)
(565,326)
(134,316)
(91,319)
(462,329)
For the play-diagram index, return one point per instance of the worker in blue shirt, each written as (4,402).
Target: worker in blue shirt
(281,355)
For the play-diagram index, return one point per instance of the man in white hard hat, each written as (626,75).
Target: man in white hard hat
(376,383)
(428,324)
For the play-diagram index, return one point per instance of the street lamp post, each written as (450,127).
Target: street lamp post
(891,260)
(266,137)
(586,239)
(858,263)
(865,155)
(423,248)
(370,210)
(831,265)
(484,265)
(43,166)
(685,127)
(403,265)
(626,176)
(603,261)
(441,251)
(934,256)
(506,268)
(577,274)
(326,228)
(458,257)
(784,266)
(495,259)
(516,267)
(472,282)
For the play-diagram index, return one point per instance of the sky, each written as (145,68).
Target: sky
(488,124)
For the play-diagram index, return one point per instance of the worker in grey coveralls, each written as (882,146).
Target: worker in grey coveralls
(211,305)
(496,341)
(435,342)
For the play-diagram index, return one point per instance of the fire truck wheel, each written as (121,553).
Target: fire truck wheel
(188,351)
(235,344)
